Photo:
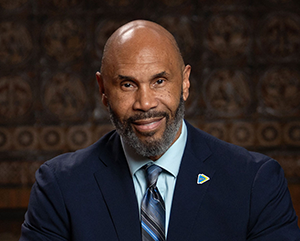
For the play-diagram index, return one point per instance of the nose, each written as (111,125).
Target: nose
(145,99)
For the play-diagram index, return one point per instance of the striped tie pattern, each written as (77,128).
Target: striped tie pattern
(153,208)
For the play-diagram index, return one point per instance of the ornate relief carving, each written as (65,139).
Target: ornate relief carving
(218,130)
(15,43)
(25,138)
(242,133)
(64,40)
(280,36)
(79,137)
(227,35)
(227,92)
(52,138)
(269,134)
(292,133)
(16,97)
(65,96)
(279,90)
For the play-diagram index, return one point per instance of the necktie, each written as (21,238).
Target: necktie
(152,208)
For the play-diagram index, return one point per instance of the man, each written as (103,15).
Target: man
(206,190)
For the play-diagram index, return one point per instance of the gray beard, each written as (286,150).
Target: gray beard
(150,147)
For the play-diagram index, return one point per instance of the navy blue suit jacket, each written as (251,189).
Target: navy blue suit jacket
(89,195)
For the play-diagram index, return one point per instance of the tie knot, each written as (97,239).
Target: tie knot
(152,173)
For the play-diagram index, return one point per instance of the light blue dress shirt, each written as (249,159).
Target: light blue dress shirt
(169,161)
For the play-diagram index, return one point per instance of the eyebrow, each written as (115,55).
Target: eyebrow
(155,76)
(161,74)
(124,77)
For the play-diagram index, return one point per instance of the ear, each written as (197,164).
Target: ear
(101,88)
(186,82)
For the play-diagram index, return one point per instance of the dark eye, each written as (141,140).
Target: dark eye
(127,85)
(160,81)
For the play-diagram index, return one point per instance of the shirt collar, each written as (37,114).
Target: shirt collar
(169,161)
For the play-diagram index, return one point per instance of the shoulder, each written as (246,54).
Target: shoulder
(224,154)
(82,160)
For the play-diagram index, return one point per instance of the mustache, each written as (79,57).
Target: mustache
(147,115)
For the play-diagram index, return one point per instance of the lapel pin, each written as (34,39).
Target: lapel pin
(202,179)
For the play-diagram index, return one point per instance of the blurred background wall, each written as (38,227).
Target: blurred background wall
(245,80)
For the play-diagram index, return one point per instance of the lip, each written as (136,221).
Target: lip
(147,125)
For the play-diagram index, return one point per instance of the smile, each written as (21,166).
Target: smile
(147,125)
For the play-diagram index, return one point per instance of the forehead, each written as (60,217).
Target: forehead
(145,57)
(145,64)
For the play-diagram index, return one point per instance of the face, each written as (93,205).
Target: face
(144,92)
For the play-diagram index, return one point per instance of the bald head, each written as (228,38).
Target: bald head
(138,38)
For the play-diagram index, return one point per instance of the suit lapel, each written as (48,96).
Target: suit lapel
(116,185)
(188,195)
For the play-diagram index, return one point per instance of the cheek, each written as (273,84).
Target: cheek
(171,101)
(122,107)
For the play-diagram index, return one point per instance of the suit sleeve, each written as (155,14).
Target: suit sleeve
(46,217)
(272,216)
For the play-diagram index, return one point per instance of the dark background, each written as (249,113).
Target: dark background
(245,80)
